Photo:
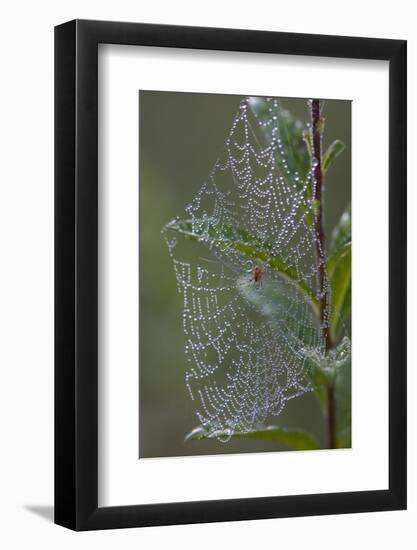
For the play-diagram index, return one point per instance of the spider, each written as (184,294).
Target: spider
(257,274)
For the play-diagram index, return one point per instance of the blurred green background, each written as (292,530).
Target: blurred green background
(180,138)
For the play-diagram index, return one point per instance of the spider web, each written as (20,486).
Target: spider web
(248,341)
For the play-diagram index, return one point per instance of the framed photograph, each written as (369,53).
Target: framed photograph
(230,252)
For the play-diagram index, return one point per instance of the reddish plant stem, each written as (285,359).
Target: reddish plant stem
(323,279)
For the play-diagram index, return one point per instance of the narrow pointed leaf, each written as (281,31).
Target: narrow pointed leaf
(341,281)
(342,233)
(332,153)
(337,257)
(339,267)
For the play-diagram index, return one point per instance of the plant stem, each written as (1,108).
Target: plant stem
(323,279)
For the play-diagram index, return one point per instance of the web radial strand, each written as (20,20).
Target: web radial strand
(246,339)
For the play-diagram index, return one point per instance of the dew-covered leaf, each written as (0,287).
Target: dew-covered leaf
(333,361)
(292,153)
(239,239)
(294,439)
(329,369)
(333,151)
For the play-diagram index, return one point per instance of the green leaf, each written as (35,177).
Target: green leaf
(317,379)
(307,140)
(335,258)
(343,406)
(341,284)
(331,154)
(295,152)
(295,439)
(339,267)
(325,370)
(344,439)
(292,135)
(342,233)
(335,368)
(229,236)
(333,361)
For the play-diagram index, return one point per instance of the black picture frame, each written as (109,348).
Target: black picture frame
(76,272)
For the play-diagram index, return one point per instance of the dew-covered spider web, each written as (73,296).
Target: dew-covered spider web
(246,261)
